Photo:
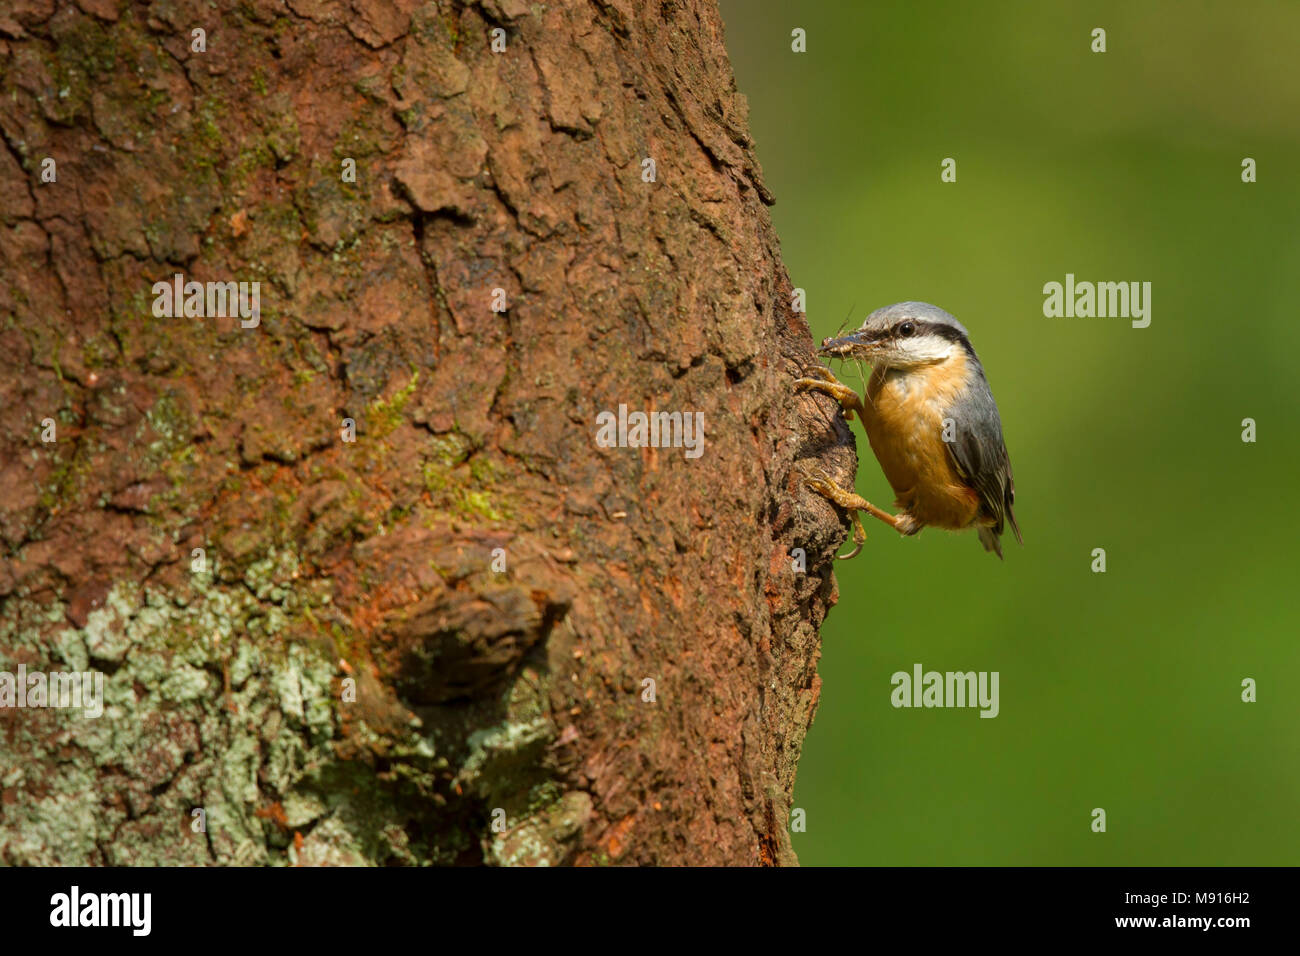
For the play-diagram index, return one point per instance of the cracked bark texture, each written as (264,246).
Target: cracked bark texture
(499,716)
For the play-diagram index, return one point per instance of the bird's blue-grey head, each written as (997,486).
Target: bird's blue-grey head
(904,335)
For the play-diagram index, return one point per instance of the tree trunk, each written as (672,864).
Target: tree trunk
(475,633)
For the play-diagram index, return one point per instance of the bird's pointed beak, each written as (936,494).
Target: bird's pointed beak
(857,344)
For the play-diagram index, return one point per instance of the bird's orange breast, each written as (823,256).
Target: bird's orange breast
(904,422)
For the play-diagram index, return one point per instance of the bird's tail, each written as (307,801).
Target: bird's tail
(991,541)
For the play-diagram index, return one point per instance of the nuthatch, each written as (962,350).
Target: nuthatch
(932,423)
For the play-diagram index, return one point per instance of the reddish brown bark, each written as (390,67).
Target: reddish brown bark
(512,697)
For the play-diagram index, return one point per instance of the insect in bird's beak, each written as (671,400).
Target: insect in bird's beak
(857,344)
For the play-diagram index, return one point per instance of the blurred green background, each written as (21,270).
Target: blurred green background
(1119,690)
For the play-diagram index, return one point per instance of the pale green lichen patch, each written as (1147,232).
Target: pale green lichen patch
(540,839)
(225,697)
(168,716)
(505,768)
(497,751)
(104,637)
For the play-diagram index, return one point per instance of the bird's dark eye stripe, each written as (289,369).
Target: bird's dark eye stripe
(942,331)
(911,327)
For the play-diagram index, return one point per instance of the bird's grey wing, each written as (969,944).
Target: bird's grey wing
(980,455)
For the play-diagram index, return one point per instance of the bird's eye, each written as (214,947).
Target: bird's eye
(906,329)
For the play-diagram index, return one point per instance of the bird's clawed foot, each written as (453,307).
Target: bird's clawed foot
(821,379)
(820,482)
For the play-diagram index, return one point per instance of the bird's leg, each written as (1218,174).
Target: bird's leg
(822,379)
(821,483)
